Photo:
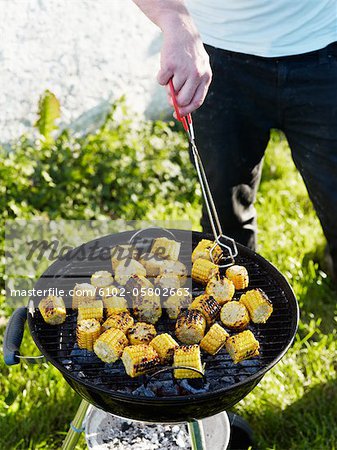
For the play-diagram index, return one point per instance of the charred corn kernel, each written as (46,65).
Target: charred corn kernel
(187,356)
(53,310)
(238,275)
(176,302)
(166,248)
(258,304)
(83,293)
(110,291)
(168,281)
(234,315)
(208,307)
(164,344)
(122,252)
(110,345)
(214,339)
(92,310)
(203,250)
(153,264)
(139,359)
(101,279)
(147,308)
(122,321)
(141,333)
(222,290)
(176,268)
(138,285)
(242,346)
(114,305)
(203,270)
(87,331)
(126,269)
(190,326)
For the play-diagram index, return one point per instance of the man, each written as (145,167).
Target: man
(274,65)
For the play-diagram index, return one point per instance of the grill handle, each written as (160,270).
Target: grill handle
(13,338)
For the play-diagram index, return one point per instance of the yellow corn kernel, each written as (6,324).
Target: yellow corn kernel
(139,359)
(203,270)
(222,290)
(153,264)
(168,281)
(166,248)
(238,275)
(101,279)
(214,339)
(208,306)
(141,333)
(242,346)
(122,321)
(176,268)
(190,326)
(122,252)
(115,305)
(234,315)
(187,356)
(258,304)
(83,293)
(110,345)
(87,331)
(203,250)
(126,269)
(164,344)
(92,310)
(53,310)
(176,302)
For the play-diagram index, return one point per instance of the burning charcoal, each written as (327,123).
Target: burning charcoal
(227,380)
(82,356)
(167,388)
(194,386)
(144,391)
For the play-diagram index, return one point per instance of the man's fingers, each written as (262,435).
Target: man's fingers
(164,76)
(187,92)
(197,100)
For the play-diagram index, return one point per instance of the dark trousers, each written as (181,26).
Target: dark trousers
(248,96)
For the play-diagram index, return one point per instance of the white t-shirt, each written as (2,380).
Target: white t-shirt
(266,27)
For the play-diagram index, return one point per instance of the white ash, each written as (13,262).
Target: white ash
(123,434)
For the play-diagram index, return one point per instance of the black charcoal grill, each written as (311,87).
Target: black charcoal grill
(158,398)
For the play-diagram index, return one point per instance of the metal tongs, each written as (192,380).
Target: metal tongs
(231,248)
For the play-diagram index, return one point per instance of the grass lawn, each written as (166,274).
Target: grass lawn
(294,407)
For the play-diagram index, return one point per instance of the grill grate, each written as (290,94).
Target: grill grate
(58,343)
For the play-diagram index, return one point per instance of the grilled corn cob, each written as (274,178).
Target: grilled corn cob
(258,304)
(242,346)
(122,321)
(122,252)
(238,275)
(187,356)
(115,305)
(203,250)
(214,339)
(141,333)
(139,359)
(222,290)
(126,269)
(147,308)
(101,279)
(208,307)
(234,315)
(83,293)
(176,302)
(153,264)
(190,326)
(92,310)
(176,268)
(168,281)
(110,345)
(203,270)
(87,331)
(164,344)
(53,310)
(166,248)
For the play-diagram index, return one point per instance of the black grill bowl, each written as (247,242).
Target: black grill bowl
(109,388)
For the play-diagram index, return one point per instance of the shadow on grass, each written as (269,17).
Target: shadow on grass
(309,423)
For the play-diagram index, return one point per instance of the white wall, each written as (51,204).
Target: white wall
(87,52)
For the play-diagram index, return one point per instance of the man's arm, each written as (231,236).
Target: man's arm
(183,57)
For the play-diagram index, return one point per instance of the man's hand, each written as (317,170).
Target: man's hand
(183,57)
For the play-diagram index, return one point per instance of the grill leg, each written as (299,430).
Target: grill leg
(75,429)
(197,436)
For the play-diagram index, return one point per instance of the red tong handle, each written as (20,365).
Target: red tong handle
(185,120)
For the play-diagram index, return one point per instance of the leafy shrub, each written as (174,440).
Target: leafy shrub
(120,171)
